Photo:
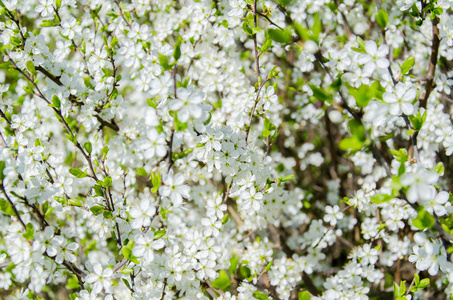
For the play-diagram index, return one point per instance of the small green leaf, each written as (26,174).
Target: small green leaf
(141,171)
(127,271)
(177,52)
(155,180)
(30,66)
(73,283)
(424,220)
(280,36)
(56,102)
(234,261)
(104,152)
(78,173)
(222,282)
(439,168)
(423,283)
(287,178)
(107,181)
(382,18)
(381,198)
(29,235)
(158,234)
(304,295)
(88,147)
(350,143)
(407,65)
(266,45)
(75,202)
(97,209)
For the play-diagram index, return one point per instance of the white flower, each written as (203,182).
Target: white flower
(145,246)
(401,100)
(436,202)
(100,278)
(333,214)
(45,7)
(251,201)
(174,189)
(368,255)
(215,207)
(187,104)
(142,214)
(374,56)
(419,183)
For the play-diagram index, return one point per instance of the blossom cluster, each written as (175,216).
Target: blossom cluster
(227,149)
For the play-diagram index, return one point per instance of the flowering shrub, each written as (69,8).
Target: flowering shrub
(241,149)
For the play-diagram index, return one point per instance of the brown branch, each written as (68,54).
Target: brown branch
(432,63)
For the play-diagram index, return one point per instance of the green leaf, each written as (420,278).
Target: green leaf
(155,180)
(107,214)
(127,271)
(163,60)
(97,209)
(304,295)
(266,45)
(30,66)
(268,266)
(350,143)
(78,173)
(362,95)
(234,261)
(58,4)
(317,28)
(225,219)
(245,271)
(104,152)
(56,102)
(126,283)
(141,171)
(158,234)
(2,168)
(73,283)
(424,220)
(423,283)
(6,207)
(381,198)
(222,282)
(107,181)
(177,53)
(75,202)
(439,168)
(357,130)
(48,23)
(260,295)
(280,36)
(98,191)
(382,18)
(88,147)
(287,178)
(29,235)
(407,65)
(321,94)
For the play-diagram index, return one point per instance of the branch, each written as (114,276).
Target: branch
(432,63)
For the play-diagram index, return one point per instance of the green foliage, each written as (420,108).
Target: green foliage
(399,290)
(280,36)
(155,180)
(304,295)
(97,209)
(222,282)
(382,18)
(407,65)
(424,219)
(78,173)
